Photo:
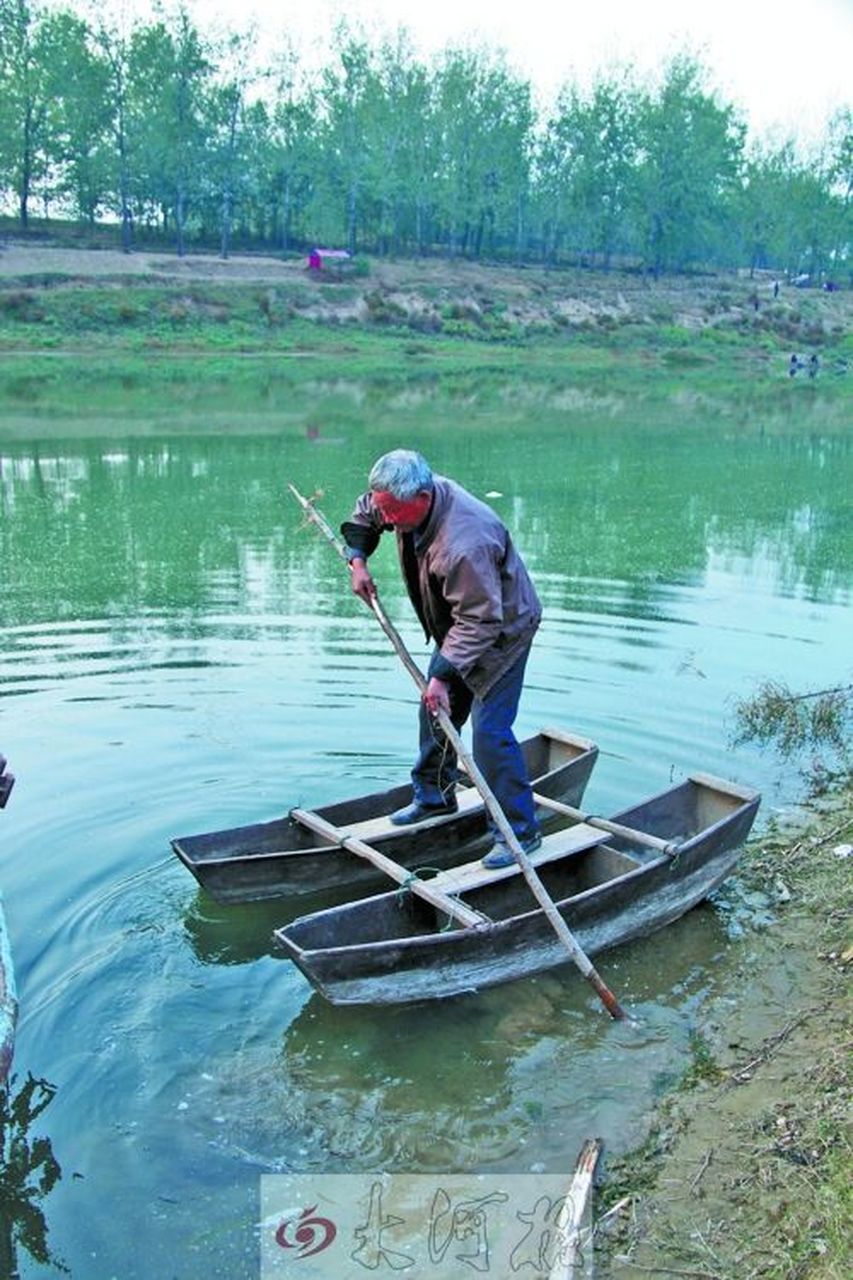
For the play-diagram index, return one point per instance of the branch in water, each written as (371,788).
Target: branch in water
(776,714)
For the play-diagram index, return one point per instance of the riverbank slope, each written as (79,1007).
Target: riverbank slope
(61,298)
(746,1171)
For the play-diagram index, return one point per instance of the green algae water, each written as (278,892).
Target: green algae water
(178,654)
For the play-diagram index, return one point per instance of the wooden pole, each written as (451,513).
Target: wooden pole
(422,888)
(669,847)
(498,816)
(574,1221)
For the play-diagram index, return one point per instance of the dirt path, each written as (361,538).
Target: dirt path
(22,259)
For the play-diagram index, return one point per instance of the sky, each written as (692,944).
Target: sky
(787,65)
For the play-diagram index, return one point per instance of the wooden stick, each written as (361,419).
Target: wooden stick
(540,893)
(574,1255)
(452,906)
(669,847)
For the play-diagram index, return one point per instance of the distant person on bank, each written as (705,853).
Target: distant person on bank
(474,598)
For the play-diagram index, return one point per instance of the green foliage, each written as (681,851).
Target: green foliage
(690,150)
(190,142)
(794,214)
(703,1065)
(685,358)
(22,305)
(794,723)
(28,1171)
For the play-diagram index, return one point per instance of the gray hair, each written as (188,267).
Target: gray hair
(402,473)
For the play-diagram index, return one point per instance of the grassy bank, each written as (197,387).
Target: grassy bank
(746,1172)
(61,300)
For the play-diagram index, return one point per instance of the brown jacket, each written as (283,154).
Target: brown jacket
(465,578)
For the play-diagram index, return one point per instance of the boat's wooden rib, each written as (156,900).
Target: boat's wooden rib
(609,889)
(284,859)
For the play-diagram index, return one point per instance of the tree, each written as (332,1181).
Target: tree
(689,150)
(483,124)
(456,131)
(588,165)
(77,81)
(400,115)
(350,94)
(232,171)
(838,167)
(792,213)
(291,151)
(116,47)
(168,70)
(505,117)
(418,154)
(25,104)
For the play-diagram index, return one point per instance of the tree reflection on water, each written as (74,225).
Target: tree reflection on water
(28,1172)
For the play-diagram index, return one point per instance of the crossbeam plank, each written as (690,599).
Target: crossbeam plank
(422,888)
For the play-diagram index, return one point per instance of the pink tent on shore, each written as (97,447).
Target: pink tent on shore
(316,257)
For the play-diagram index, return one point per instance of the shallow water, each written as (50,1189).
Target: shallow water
(177,655)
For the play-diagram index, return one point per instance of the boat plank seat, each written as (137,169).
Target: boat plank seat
(473,875)
(468,798)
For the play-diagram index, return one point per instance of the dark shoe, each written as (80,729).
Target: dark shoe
(500,855)
(418,812)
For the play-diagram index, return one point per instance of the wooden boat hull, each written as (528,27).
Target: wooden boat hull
(8,996)
(392,948)
(282,859)
(8,1002)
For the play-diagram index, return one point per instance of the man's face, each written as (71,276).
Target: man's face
(404,514)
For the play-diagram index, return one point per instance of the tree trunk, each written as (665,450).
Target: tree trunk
(225,237)
(26,169)
(180,219)
(285,215)
(478,234)
(519,229)
(351,219)
(126,215)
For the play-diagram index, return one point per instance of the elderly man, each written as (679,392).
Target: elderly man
(473,596)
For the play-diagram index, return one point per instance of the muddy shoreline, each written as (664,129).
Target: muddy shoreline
(746,1170)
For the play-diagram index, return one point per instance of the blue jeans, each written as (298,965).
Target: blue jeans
(496,750)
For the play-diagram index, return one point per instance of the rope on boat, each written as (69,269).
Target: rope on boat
(403,887)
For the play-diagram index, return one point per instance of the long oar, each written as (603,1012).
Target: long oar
(498,816)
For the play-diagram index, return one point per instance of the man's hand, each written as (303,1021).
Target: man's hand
(362,583)
(437,695)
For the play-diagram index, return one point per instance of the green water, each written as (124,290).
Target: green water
(178,655)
